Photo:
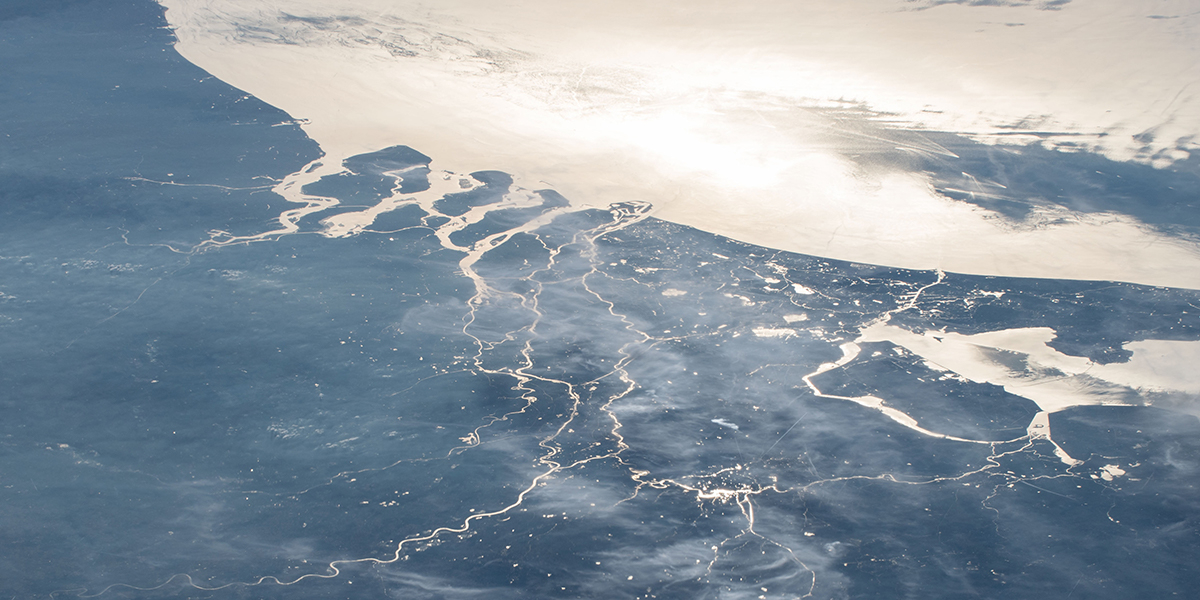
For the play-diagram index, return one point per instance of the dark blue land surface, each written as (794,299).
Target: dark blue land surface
(469,403)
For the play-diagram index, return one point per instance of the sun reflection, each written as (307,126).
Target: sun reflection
(750,123)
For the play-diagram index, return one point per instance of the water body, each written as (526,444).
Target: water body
(237,366)
(984,138)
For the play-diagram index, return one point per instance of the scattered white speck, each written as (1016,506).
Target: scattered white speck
(724,423)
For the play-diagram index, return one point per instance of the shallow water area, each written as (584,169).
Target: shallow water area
(819,130)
